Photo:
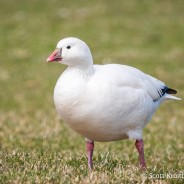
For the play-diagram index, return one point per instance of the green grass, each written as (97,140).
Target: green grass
(35,145)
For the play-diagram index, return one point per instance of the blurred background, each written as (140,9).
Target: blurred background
(148,35)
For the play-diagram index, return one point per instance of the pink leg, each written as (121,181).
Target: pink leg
(90,148)
(139,144)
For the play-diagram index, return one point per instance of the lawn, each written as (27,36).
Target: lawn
(35,145)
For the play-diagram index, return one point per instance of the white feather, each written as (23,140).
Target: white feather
(105,102)
(171,97)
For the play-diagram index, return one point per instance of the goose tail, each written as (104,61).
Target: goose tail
(168,95)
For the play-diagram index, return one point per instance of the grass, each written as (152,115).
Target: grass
(35,145)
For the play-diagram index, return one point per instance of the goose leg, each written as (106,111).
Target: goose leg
(139,144)
(89,149)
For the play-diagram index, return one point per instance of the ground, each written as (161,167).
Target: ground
(35,145)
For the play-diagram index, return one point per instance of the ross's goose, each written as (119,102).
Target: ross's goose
(104,102)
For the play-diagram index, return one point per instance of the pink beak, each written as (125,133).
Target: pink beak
(55,56)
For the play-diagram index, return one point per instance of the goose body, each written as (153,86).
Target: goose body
(102,107)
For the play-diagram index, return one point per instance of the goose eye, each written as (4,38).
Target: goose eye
(68,47)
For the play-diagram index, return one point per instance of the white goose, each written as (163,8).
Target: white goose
(104,102)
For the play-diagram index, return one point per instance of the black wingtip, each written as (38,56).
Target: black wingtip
(171,91)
